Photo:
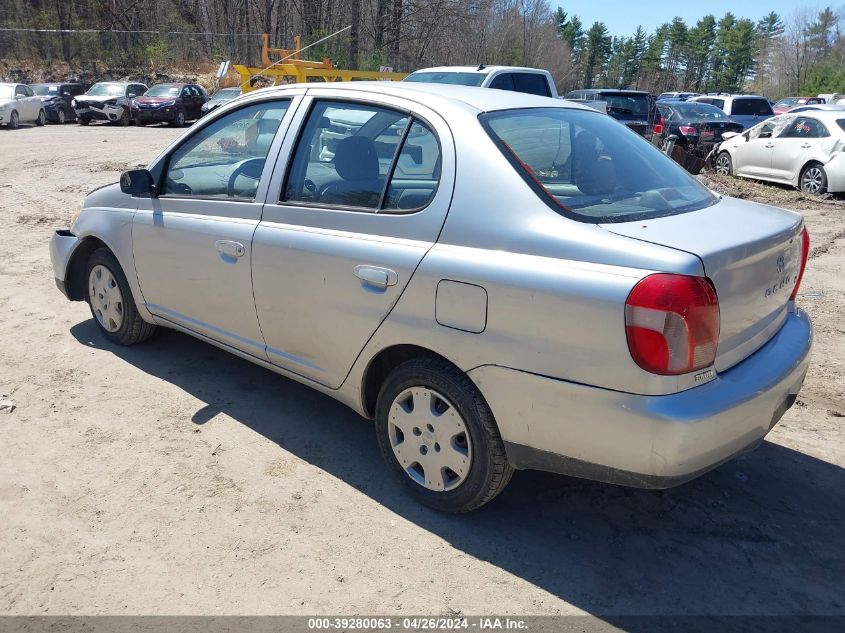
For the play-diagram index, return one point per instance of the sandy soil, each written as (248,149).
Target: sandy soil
(172,478)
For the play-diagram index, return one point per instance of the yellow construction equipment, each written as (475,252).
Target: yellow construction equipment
(289,67)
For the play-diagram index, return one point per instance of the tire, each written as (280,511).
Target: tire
(42,118)
(813,180)
(179,119)
(456,427)
(14,120)
(83,120)
(125,118)
(723,165)
(140,122)
(108,295)
(62,117)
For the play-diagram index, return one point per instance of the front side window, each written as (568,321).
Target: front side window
(806,128)
(772,127)
(225,159)
(585,167)
(20,91)
(365,157)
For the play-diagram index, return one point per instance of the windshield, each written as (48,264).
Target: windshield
(7,92)
(627,104)
(787,103)
(163,90)
(587,166)
(106,90)
(691,110)
(751,107)
(226,94)
(460,79)
(43,90)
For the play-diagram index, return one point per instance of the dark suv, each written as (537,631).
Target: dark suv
(56,98)
(634,108)
(171,103)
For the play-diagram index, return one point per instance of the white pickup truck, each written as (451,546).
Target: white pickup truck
(534,81)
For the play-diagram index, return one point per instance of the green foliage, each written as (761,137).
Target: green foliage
(825,77)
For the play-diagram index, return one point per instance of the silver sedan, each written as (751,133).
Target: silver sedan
(501,281)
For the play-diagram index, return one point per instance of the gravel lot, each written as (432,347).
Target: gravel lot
(172,478)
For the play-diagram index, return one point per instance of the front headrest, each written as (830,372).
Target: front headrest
(355,158)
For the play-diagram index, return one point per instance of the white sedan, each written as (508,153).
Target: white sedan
(19,104)
(803,150)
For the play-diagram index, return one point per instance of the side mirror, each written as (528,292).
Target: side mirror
(131,95)
(137,182)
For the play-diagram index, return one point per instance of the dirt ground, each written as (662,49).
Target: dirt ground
(172,478)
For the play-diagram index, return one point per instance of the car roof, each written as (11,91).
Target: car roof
(612,91)
(440,95)
(172,83)
(483,70)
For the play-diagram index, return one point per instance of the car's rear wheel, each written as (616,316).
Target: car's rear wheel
(42,118)
(813,179)
(724,165)
(110,299)
(62,117)
(438,436)
(13,120)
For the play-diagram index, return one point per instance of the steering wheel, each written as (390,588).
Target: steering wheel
(250,168)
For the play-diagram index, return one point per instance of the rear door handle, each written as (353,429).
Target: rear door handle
(806,145)
(230,248)
(376,276)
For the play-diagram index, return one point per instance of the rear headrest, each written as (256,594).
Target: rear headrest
(355,158)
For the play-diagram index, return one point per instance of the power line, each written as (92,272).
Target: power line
(22,30)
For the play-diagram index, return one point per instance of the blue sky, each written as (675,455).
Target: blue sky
(623,16)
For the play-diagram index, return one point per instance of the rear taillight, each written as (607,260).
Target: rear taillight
(688,130)
(658,127)
(805,253)
(672,323)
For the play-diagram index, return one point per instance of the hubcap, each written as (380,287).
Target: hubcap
(429,439)
(106,299)
(812,181)
(61,116)
(723,166)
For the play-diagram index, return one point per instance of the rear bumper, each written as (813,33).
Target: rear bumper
(647,441)
(62,245)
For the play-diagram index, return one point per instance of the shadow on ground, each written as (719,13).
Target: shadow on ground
(762,534)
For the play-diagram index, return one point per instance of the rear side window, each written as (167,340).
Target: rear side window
(806,128)
(504,81)
(751,107)
(841,123)
(532,83)
(585,167)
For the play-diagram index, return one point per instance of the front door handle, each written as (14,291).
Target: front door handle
(376,276)
(806,145)
(230,248)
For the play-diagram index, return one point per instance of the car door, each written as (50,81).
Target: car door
(753,158)
(367,189)
(192,243)
(28,104)
(196,101)
(794,147)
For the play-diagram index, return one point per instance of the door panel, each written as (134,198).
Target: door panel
(754,158)
(326,277)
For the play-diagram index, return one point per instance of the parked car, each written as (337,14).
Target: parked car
(18,104)
(634,108)
(222,96)
(500,280)
(787,103)
(56,99)
(683,96)
(746,109)
(107,101)
(693,122)
(803,150)
(533,81)
(169,103)
(832,97)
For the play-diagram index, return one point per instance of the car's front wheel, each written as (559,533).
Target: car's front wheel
(179,119)
(813,179)
(125,118)
(110,299)
(438,436)
(724,165)
(62,117)
(13,120)
(42,118)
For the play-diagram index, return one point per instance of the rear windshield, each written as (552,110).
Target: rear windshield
(587,166)
(626,104)
(750,107)
(460,79)
(691,110)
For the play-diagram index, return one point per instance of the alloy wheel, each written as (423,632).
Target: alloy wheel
(62,116)
(106,298)
(812,181)
(429,439)
(723,164)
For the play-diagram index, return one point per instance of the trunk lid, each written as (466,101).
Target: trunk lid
(752,254)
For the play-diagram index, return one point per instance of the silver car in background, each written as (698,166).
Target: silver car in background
(500,280)
(805,150)
(19,104)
